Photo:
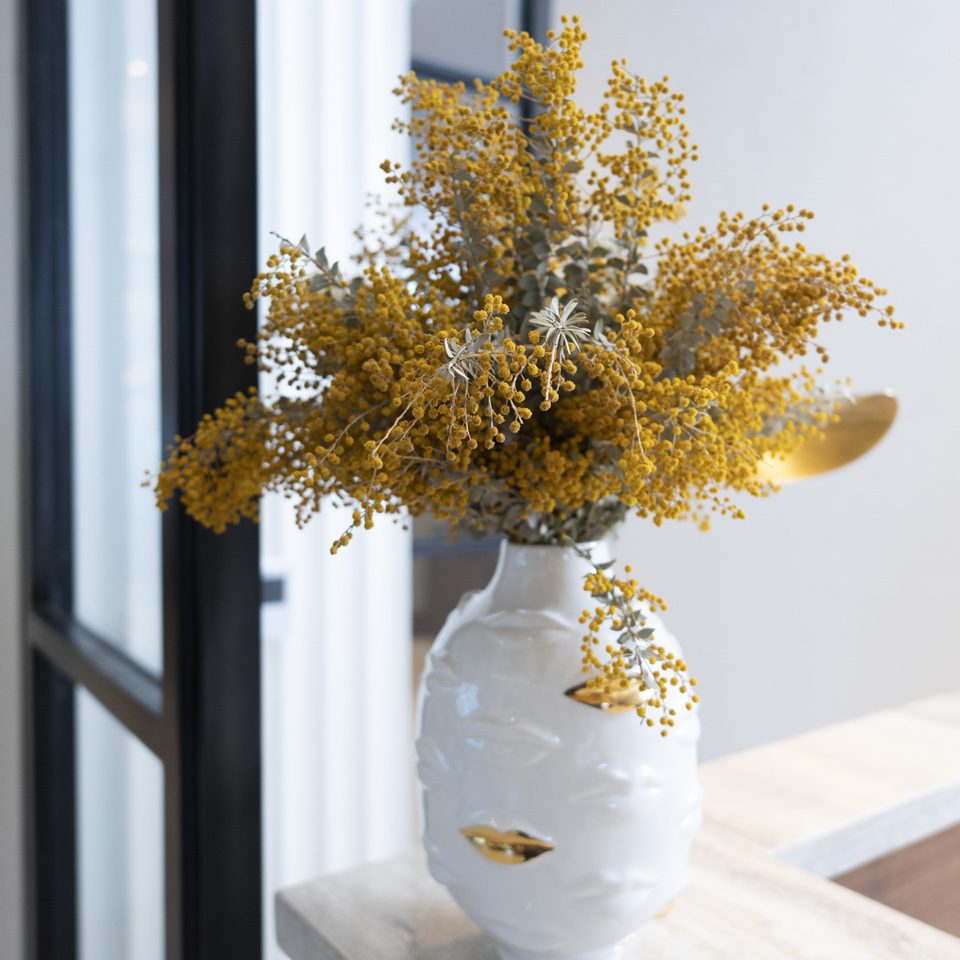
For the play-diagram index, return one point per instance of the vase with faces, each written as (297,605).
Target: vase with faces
(558,823)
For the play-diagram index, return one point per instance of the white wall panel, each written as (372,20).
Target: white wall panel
(337,653)
(836,597)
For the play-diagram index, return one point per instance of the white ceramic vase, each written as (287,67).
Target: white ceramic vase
(559,827)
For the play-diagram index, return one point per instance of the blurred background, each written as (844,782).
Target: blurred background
(835,598)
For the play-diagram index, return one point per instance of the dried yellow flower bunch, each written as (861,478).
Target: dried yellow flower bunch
(517,356)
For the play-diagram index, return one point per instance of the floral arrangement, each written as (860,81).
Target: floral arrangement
(531,362)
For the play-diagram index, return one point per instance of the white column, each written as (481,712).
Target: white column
(337,652)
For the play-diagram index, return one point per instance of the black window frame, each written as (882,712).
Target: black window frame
(202,718)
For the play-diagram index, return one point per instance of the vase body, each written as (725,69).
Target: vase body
(557,826)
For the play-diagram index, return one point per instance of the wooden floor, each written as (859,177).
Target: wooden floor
(922,880)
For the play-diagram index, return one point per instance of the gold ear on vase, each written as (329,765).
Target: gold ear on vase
(860,425)
(617,700)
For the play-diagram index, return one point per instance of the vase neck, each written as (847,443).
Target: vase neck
(543,577)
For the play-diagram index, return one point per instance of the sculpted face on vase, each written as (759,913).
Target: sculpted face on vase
(558,826)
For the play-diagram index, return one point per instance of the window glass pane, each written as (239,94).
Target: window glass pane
(120,840)
(115,304)
(463,35)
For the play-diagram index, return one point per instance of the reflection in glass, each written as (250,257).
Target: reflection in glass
(115,307)
(463,35)
(120,840)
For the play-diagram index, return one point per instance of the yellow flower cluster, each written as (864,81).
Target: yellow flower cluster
(526,362)
(633,655)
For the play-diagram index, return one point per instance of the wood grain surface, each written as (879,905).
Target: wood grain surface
(743,902)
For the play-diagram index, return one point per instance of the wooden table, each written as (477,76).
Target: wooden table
(778,821)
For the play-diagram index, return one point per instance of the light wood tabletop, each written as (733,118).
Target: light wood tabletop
(779,820)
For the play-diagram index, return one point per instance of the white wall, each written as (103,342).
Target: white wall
(837,597)
(11,889)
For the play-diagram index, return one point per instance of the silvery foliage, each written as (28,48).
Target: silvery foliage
(811,411)
(562,331)
(464,358)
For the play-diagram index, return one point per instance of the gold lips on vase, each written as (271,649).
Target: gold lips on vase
(505,846)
